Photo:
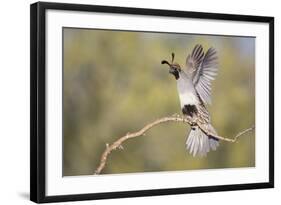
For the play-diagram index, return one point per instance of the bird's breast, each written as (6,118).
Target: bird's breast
(188,98)
(187,93)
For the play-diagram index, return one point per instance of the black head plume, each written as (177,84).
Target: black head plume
(166,62)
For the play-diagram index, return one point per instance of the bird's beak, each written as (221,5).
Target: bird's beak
(171,70)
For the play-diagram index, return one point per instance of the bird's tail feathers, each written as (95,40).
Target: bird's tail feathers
(198,143)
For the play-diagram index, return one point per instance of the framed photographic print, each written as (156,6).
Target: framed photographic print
(129,102)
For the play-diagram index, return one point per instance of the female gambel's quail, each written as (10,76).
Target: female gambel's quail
(194,88)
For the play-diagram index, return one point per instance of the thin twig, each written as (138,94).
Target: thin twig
(174,118)
(243,132)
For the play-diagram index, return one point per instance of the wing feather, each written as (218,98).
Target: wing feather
(205,72)
(194,60)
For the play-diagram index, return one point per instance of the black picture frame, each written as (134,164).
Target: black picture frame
(38,100)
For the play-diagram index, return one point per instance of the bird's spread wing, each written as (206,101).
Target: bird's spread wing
(204,71)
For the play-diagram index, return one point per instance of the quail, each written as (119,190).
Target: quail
(194,90)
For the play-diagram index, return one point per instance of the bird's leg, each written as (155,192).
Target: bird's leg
(193,124)
(192,120)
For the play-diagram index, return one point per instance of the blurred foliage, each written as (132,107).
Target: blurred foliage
(114,83)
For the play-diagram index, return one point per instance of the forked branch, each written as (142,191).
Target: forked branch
(174,118)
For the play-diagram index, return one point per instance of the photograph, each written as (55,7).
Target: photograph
(143,101)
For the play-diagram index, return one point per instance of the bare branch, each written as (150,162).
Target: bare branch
(173,118)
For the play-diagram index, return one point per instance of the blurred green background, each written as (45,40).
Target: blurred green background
(114,83)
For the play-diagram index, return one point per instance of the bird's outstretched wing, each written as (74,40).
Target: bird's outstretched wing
(204,71)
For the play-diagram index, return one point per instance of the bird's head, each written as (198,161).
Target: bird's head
(174,68)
